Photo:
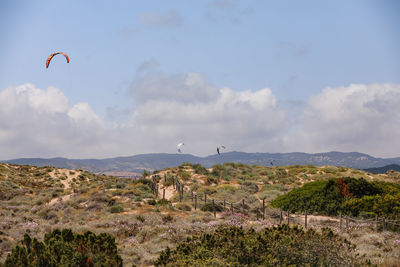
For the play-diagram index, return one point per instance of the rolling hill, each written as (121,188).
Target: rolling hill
(138,163)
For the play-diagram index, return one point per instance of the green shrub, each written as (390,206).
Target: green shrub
(212,180)
(120,186)
(116,209)
(169,179)
(64,248)
(249,187)
(279,246)
(116,193)
(151,202)
(184,175)
(209,207)
(198,169)
(183,207)
(347,195)
(163,202)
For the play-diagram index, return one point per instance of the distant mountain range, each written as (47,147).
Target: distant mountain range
(150,162)
(384,169)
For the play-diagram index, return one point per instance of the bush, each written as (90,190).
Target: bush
(279,246)
(64,248)
(184,175)
(116,209)
(151,202)
(347,195)
(183,207)
(163,202)
(198,169)
(209,207)
(249,187)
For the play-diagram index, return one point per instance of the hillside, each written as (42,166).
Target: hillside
(37,200)
(384,169)
(134,165)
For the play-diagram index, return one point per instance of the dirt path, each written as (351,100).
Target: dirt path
(65,182)
(67,173)
(316,218)
(62,199)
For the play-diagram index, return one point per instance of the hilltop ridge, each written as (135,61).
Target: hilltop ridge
(150,162)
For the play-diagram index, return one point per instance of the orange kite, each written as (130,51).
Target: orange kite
(52,55)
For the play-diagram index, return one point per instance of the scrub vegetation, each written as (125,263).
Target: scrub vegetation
(37,201)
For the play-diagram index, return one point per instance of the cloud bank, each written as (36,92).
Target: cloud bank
(168,109)
(359,117)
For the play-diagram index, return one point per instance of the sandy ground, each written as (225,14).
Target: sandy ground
(66,183)
(169,192)
(67,173)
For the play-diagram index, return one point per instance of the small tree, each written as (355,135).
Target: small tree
(64,248)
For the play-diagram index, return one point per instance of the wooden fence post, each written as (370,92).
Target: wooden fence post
(232,208)
(165,178)
(195,202)
(163,194)
(305,220)
(205,198)
(384,224)
(213,206)
(182,191)
(263,209)
(376,223)
(243,205)
(340,222)
(281,218)
(288,217)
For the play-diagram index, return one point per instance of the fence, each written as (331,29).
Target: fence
(279,216)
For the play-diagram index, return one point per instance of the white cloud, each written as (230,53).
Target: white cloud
(188,87)
(175,108)
(364,118)
(51,100)
(83,113)
(186,108)
(36,122)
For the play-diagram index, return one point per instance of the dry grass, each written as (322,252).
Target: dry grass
(38,200)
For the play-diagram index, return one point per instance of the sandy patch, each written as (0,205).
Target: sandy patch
(65,172)
(169,192)
(60,199)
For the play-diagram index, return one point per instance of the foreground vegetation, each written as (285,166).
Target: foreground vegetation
(348,196)
(64,248)
(36,201)
(277,246)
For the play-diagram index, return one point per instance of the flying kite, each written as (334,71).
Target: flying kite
(180,146)
(52,55)
(219,148)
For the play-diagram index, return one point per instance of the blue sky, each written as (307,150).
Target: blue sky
(294,48)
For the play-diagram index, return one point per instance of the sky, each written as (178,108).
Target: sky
(254,76)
